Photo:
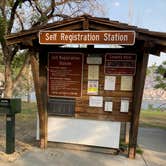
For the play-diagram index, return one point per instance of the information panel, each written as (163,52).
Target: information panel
(65,74)
(120,64)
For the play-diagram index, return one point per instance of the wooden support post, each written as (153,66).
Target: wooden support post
(127,131)
(142,60)
(38,84)
(43,88)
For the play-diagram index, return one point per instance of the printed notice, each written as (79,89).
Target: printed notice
(120,64)
(108,106)
(124,107)
(96,101)
(126,83)
(93,87)
(109,83)
(64,74)
(93,72)
(94,60)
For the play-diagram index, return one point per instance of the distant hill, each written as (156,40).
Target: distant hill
(149,91)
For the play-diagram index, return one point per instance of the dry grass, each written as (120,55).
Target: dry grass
(150,118)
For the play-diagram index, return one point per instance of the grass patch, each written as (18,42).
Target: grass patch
(139,150)
(124,148)
(150,118)
(28,111)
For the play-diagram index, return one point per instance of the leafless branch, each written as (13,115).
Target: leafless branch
(52,10)
(38,8)
(20,20)
(64,16)
(13,12)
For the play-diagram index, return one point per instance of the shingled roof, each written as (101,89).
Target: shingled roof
(155,40)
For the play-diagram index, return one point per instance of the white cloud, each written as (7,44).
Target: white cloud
(116,3)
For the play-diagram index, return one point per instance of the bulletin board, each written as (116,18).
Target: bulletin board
(101,85)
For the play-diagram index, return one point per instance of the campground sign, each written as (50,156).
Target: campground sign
(87,37)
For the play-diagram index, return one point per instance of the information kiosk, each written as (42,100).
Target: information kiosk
(85,92)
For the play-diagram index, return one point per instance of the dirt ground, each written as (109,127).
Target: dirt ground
(25,129)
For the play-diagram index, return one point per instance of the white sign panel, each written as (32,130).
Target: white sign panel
(93,72)
(96,101)
(79,131)
(109,83)
(126,83)
(108,106)
(124,107)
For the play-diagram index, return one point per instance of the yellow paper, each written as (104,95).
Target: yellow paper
(93,87)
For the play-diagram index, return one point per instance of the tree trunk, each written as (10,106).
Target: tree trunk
(8,81)
(41,111)
(7,73)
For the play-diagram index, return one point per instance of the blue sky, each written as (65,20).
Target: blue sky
(150,14)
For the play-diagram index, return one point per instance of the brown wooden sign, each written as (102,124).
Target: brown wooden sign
(87,37)
(64,74)
(120,64)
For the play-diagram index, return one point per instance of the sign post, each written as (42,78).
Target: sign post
(10,107)
(10,133)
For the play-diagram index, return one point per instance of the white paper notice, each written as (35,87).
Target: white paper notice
(108,106)
(124,107)
(109,83)
(96,101)
(93,72)
(126,83)
(94,60)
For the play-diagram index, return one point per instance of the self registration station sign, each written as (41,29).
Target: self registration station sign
(86,86)
(87,37)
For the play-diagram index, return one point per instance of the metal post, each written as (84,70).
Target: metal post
(10,133)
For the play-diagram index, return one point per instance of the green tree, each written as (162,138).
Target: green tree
(160,79)
(18,15)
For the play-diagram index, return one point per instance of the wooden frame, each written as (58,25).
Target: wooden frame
(146,42)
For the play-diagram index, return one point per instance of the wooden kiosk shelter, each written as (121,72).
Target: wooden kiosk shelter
(90,84)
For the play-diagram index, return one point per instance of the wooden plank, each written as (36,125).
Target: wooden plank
(94,116)
(87,148)
(142,61)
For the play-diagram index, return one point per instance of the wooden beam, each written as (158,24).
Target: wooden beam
(142,60)
(38,83)
(43,88)
(127,132)
(85,24)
